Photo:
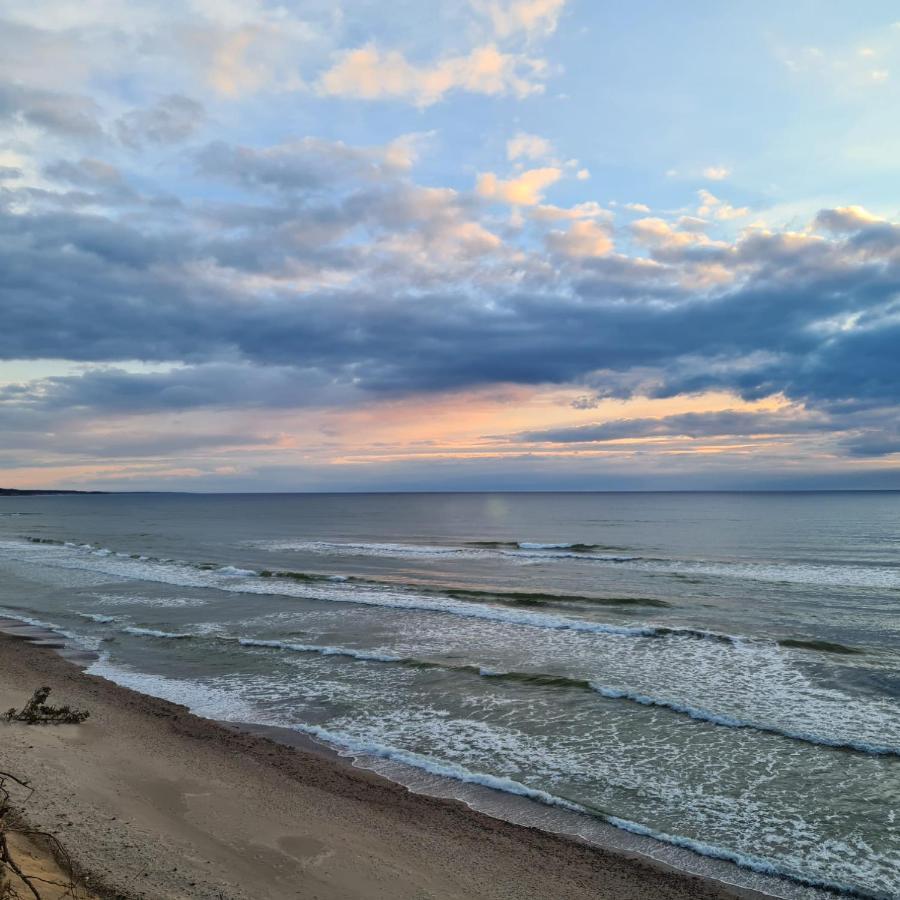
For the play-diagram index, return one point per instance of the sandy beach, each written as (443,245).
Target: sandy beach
(153,802)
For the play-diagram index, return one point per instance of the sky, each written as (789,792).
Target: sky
(449,245)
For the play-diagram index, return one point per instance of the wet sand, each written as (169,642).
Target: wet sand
(153,802)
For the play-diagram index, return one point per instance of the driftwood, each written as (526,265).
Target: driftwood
(37,712)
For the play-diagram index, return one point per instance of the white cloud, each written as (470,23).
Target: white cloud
(257,56)
(583,239)
(716,173)
(712,207)
(371,74)
(528,146)
(525,190)
(402,153)
(533,18)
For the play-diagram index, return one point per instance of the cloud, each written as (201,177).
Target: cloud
(590,209)
(582,239)
(525,190)
(116,390)
(68,115)
(171,119)
(716,173)
(303,165)
(261,52)
(842,69)
(721,423)
(528,146)
(684,242)
(846,219)
(533,18)
(86,173)
(336,265)
(712,207)
(368,73)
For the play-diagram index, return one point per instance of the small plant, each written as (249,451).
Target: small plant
(37,712)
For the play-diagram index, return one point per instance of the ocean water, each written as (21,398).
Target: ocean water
(708,676)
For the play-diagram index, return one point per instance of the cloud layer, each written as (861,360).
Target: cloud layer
(187,254)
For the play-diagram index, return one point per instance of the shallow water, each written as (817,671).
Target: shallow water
(721,671)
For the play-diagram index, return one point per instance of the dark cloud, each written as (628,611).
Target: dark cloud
(394,306)
(171,119)
(92,173)
(69,115)
(73,445)
(116,390)
(309,164)
(692,425)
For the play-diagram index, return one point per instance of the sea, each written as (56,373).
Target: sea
(709,679)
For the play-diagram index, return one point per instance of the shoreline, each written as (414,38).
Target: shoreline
(239,798)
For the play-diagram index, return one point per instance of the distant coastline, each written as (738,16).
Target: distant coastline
(16,492)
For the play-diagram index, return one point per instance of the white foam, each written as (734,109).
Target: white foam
(525,552)
(799,572)
(530,545)
(611,693)
(79,640)
(323,650)
(236,572)
(141,600)
(153,632)
(766,691)
(188,576)
(357,747)
(203,699)
(213,701)
(787,572)
(703,715)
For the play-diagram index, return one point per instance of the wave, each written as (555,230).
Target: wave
(76,639)
(538,598)
(703,634)
(153,632)
(236,572)
(513,598)
(543,679)
(362,655)
(703,715)
(206,701)
(367,592)
(356,747)
(778,572)
(534,545)
(823,646)
(471,550)
(782,572)
(313,577)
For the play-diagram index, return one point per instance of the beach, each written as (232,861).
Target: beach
(153,802)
